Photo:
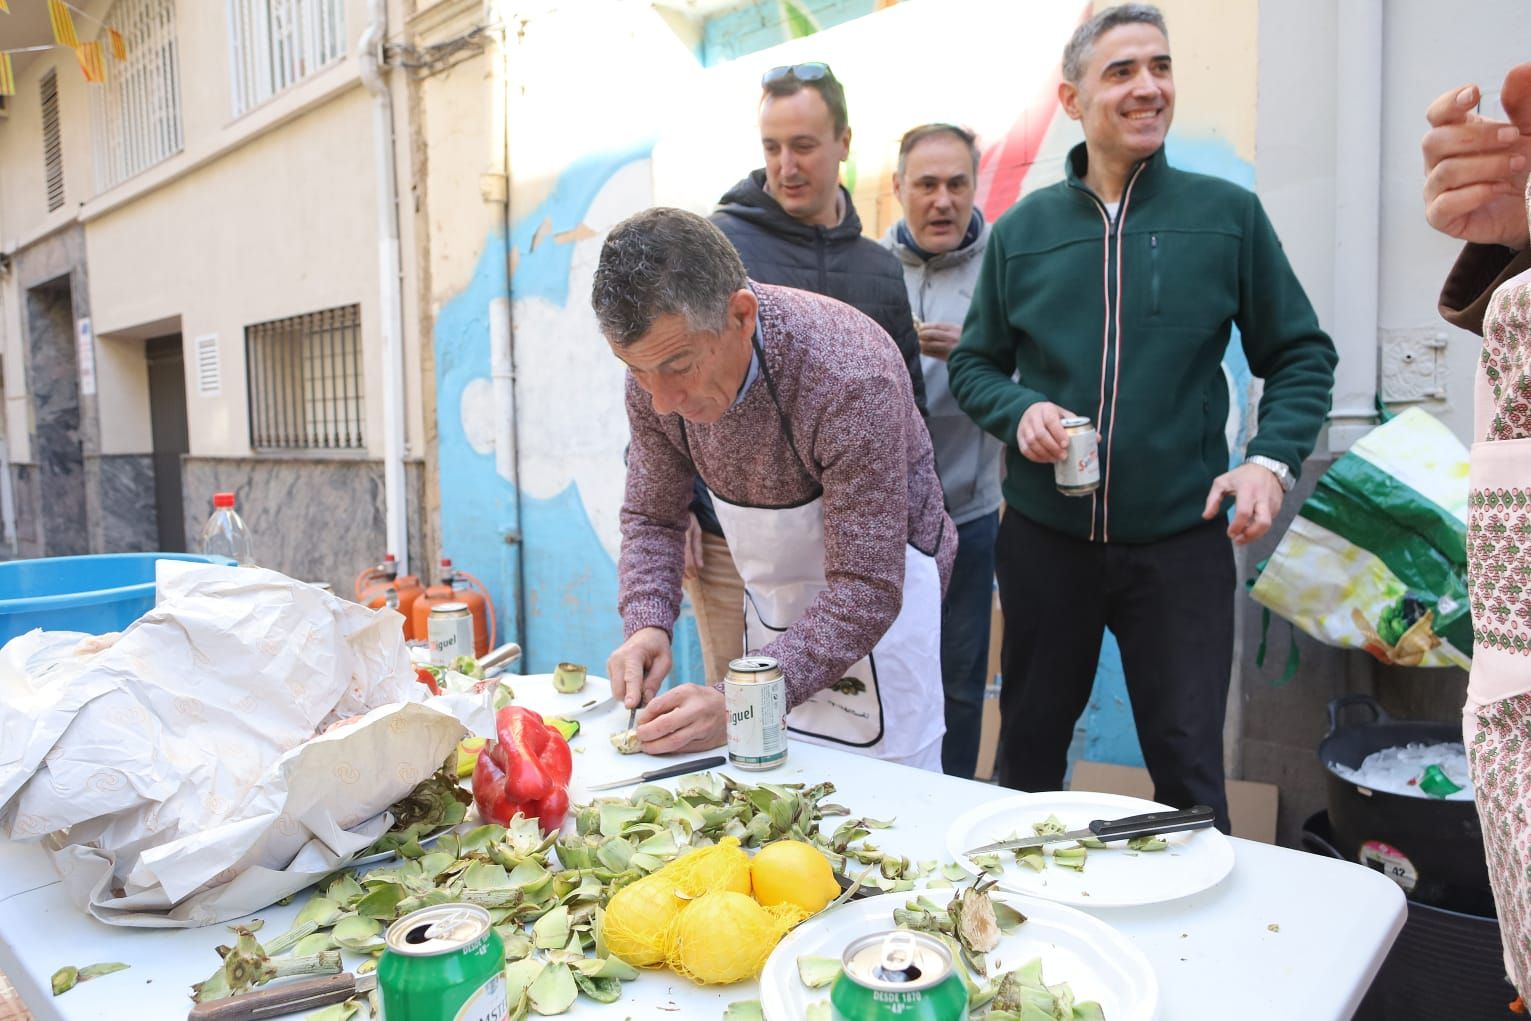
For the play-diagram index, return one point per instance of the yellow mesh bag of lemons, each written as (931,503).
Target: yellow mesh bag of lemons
(714,914)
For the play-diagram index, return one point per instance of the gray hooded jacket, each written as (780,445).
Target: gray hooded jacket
(967,458)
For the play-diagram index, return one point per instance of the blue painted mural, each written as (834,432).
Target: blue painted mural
(753,27)
(570,580)
(570,484)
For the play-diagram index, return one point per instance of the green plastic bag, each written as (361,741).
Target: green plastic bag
(1376,559)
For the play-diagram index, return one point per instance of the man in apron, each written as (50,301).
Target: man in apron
(797,412)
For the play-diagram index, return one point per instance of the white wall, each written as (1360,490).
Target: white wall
(24,212)
(1295,138)
(1428,49)
(279,227)
(269,214)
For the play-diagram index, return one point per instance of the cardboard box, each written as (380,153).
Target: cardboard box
(988,735)
(1251,806)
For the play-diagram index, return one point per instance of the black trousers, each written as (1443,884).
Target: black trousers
(1170,605)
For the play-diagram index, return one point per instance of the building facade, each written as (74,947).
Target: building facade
(193,299)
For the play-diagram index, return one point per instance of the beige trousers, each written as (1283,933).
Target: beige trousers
(717,599)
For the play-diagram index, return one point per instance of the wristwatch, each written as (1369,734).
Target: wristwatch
(1282,472)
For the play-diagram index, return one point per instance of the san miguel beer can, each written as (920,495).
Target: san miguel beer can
(756,696)
(898,974)
(449,630)
(1078,474)
(443,963)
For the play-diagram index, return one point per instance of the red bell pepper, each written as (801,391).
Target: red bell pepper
(428,679)
(526,770)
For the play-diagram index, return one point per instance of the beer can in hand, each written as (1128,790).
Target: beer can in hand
(1078,474)
(755,694)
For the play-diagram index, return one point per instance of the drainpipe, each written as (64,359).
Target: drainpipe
(1357,237)
(495,187)
(369,52)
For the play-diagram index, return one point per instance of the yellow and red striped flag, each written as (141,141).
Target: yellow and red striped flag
(119,50)
(63,24)
(91,62)
(7,76)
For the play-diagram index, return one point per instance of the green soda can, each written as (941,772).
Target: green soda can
(898,974)
(443,963)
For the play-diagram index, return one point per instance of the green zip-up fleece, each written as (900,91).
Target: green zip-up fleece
(1127,322)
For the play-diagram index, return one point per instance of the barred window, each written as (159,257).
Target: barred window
(277,43)
(138,112)
(304,376)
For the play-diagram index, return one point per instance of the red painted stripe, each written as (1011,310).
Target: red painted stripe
(1004,162)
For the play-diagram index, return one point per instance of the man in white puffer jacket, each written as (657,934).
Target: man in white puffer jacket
(940,242)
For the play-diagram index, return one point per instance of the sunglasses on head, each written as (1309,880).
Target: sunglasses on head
(809,72)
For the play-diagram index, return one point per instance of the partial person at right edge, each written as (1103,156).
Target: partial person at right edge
(1478,189)
(1114,294)
(940,242)
(1475,174)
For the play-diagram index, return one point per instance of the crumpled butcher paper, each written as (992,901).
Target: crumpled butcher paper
(173,770)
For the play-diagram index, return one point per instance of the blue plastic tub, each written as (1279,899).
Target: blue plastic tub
(94,594)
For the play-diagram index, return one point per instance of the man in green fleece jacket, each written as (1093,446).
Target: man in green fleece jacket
(1112,295)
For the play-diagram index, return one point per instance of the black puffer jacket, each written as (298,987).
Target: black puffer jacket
(837,261)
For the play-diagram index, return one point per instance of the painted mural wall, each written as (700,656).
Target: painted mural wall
(603,124)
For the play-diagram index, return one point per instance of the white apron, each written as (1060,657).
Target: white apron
(889,704)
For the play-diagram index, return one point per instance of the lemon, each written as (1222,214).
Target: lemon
(636,924)
(792,872)
(723,937)
(723,866)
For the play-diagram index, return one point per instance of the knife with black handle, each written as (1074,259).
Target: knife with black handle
(1145,825)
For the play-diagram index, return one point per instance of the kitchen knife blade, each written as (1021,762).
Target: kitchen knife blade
(1147,824)
(679,769)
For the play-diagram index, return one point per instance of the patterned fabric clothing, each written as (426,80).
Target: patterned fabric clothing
(1497,717)
(1506,362)
(852,434)
(1498,752)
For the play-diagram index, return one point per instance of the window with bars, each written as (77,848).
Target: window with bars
(304,376)
(53,144)
(277,43)
(138,111)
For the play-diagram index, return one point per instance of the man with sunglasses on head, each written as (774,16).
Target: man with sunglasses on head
(940,242)
(794,225)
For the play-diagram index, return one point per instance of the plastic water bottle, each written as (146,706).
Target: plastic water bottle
(225,534)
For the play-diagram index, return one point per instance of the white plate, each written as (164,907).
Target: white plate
(1096,961)
(536,692)
(1115,877)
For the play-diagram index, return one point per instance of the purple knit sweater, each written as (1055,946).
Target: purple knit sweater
(845,392)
